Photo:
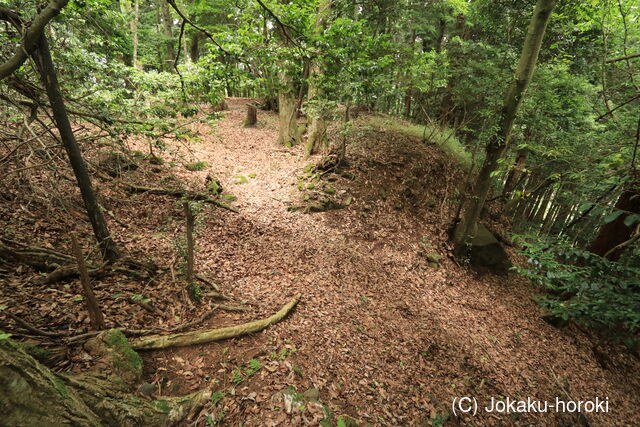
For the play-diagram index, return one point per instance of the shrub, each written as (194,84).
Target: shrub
(585,287)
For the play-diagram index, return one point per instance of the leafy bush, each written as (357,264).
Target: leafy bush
(585,287)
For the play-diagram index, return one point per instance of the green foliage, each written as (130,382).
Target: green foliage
(240,179)
(254,366)
(195,291)
(217,396)
(236,377)
(585,287)
(196,166)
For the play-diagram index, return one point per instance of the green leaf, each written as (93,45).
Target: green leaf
(628,221)
(612,216)
(4,336)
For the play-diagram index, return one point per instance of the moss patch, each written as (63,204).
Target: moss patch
(127,359)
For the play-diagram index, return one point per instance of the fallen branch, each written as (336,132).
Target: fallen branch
(71,271)
(39,258)
(193,195)
(201,337)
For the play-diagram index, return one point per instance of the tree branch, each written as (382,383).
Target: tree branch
(622,58)
(283,27)
(636,236)
(633,98)
(172,3)
(30,36)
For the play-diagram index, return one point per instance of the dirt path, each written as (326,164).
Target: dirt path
(383,337)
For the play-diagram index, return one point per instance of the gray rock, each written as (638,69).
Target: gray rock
(486,251)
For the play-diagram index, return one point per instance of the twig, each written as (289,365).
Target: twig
(188,213)
(172,3)
(31,328)
(634,237)
(633,98)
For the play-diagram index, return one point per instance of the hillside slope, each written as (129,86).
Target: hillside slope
(389,329)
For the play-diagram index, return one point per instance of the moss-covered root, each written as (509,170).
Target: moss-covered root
(30,394)
(200,337)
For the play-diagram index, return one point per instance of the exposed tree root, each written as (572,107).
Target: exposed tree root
(62,266)
(30,327)
(31,394)
(200,337)
(193,195)
(39,258)
(208,282)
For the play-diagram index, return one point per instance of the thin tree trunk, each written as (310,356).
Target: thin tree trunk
(495,149)
(545,199)
(167,26)
(95,314)
(515,172)
(546,225)
(190,243)
(317,128)
(46,68)
(132,12)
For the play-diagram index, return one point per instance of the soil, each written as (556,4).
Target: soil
(385,335)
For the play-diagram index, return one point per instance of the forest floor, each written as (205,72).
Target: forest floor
(379,334)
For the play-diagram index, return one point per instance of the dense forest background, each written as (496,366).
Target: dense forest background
(534,105)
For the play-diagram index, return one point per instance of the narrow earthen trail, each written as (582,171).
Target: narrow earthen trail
(385,339)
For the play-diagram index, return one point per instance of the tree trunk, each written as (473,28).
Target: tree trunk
(546,225)
(617,232)
(93,307)
(194,46)
(288,133)
(33,395)
(167,26)
(545,199)
(317,127)
(132,12)
(46,68)
(252,115)
(495,148)
(408,98)
(515,172)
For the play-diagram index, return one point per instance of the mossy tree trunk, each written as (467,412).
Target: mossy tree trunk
(317,127)
(32,395)
(288,133)
(498,145)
